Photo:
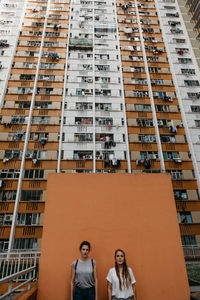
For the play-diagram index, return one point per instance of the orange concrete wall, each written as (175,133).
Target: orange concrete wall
(134,212)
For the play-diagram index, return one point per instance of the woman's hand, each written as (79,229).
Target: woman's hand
(72,283)
(96,283)
(134,292)
(109,286)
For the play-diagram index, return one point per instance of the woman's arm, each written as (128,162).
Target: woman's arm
(96,283)
(109,286)
(72,282)
(134,291)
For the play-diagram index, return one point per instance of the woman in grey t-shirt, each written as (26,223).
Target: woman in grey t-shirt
(84,276)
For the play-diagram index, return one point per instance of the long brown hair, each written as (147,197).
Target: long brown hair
(126,278)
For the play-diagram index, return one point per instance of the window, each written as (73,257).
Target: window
(170,155)
(29,65)
(144,122)
(138,81)
(152,58)
(176,174)
(83,121)
(83,155)
(168,138)
(102,92)
(84,92)
(154,69)
(142,107)
(83,105)
(31,53)
(8,195)
(162,107)
(51,44)
(193,95)
(195,108)
(188,71)
(103,106)
(43,104)
(180,195)
(102,56)
(22,104)
(34,173)
(31,195)
(9,173)
(184,60)
(33,43)
(102,68)
(104,121)
(137,69)
(37,136)
(47,77)
(157,82)
(25,243)
(26,77)
(40,120)
(45,91)
(169,7)
(197,123)
(102,79)
(176,15)
(28,219)
(25,90)
(140,94)
(188,240)
(178,41)
(191,82)
(16,119)
(36,154)
(83,137)
(9,154)
(146,138)
(47,66)
(148,154)
(163,122)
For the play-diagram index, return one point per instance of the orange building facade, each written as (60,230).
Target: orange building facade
(133,212)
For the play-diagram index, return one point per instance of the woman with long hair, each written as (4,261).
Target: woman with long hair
(84,275)
(121,281)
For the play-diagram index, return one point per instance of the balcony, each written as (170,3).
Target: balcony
(190,229)
(80,43)
(187,205)
(34,231)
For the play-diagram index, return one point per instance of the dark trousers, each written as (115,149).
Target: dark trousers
(84,294)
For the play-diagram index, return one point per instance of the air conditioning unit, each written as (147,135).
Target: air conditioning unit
(8,218)
(177,160)
(5,160)
(29,155)
(160,123)
(35,161)
(152,156)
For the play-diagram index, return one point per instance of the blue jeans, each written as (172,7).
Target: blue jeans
(84,294)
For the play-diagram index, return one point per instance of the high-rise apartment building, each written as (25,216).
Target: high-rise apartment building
(102,86)
(11,17)
(190,10)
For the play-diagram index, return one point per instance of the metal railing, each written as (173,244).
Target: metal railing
(30,272)
(18,262)
(191,252)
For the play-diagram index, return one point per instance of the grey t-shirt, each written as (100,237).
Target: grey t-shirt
(84,273)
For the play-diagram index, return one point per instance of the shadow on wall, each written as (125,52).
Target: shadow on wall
(134,212)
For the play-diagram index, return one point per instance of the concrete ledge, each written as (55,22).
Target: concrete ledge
(28,295)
